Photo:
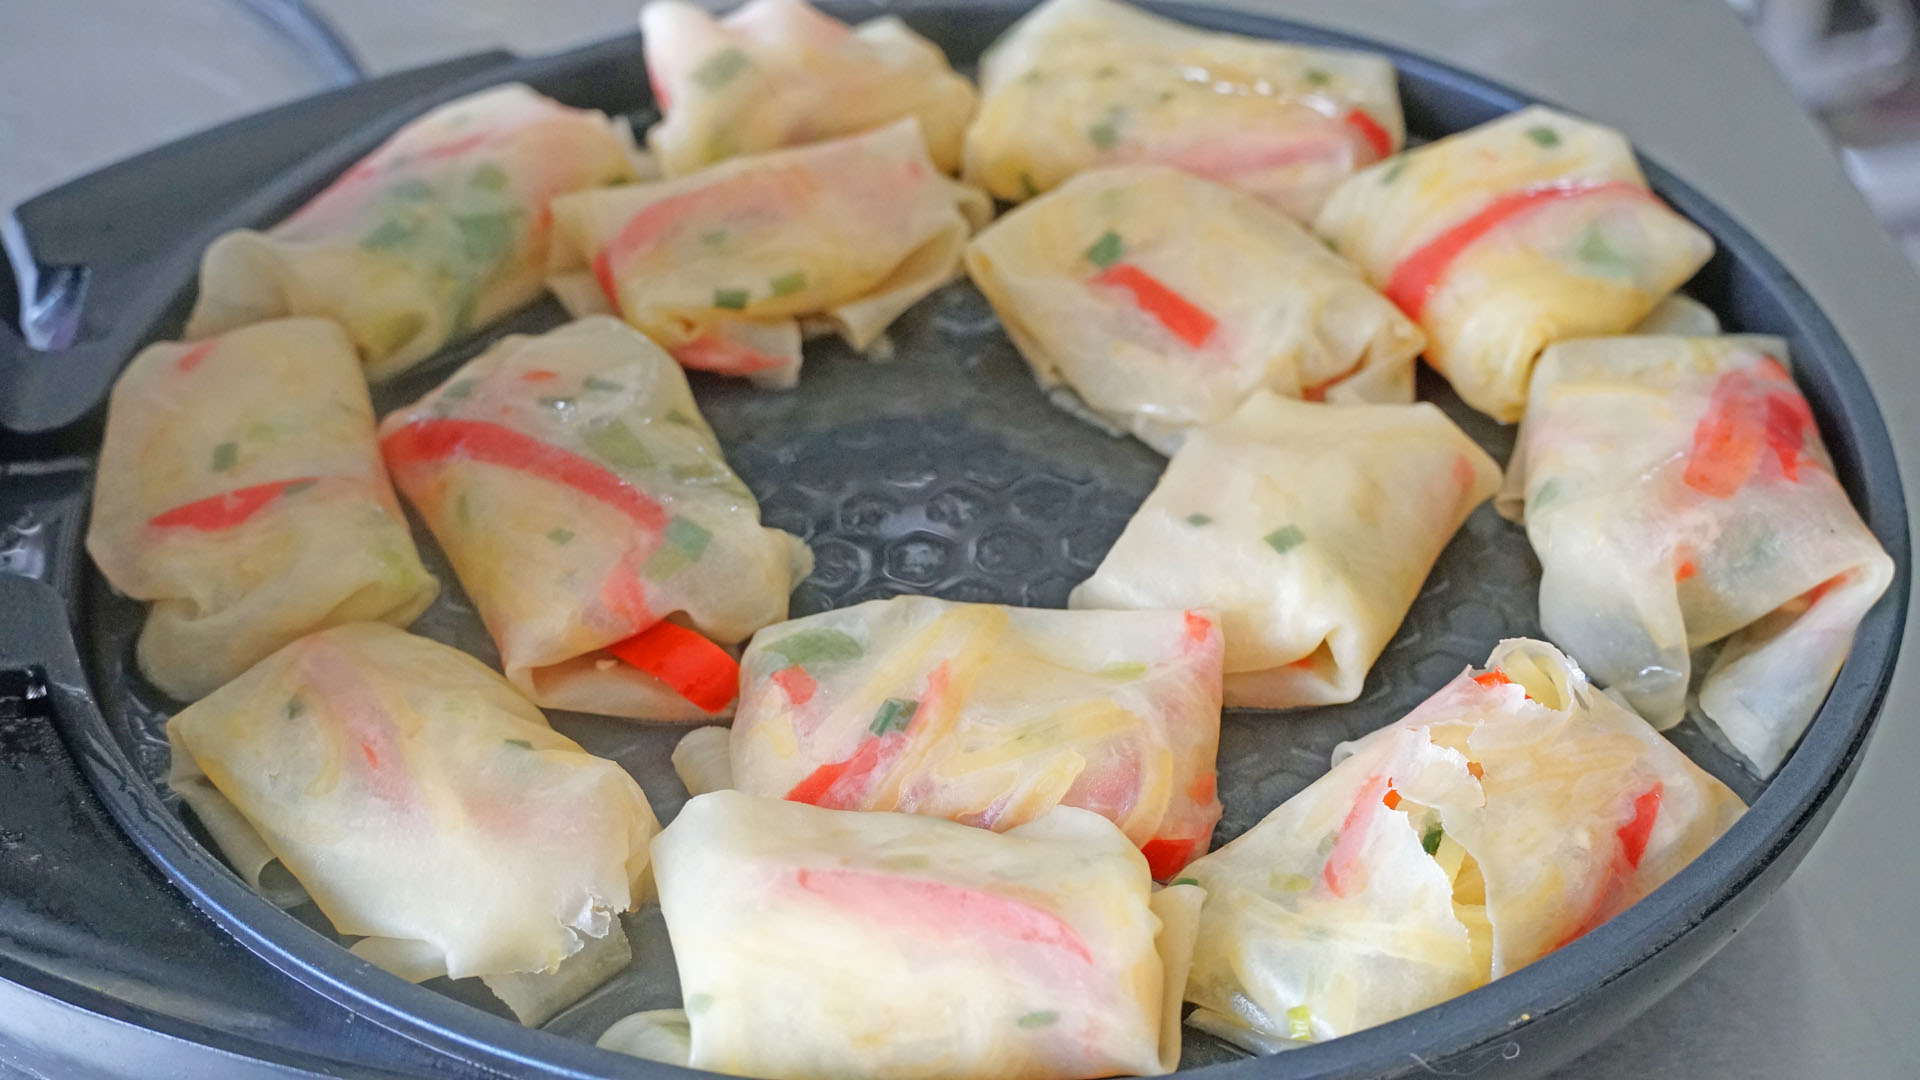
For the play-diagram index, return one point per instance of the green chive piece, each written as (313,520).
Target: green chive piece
(615,443)
(225,456)
(1293,883)
(699,1003)
(1393,172)
(392,233)
(730,299)
(720,69)
(905,861)
(1285,538)
(813,648)
(1597,251)
(488,177)
(297,487)
(1041,1018)
(459,389)
(600,385)
(1107,250)
(1545,137)
(1104,135)
(1430,843)
(521,743)
(488,238)
(1123,671)
(1184,881)
(1028,189)
(462,509)
(1316,77)
(714,238)
(295,707)
(666,562)
(789,283)
(1545,494)
(412,190)
(894,715)
(1107,71)
(1197,520)
(688,536)
(675,416)
(1300,1024)
(559,535)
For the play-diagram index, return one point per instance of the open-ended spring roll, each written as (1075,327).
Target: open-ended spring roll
(1164,300)
(1307,529)
(589,515)
(777,73)
(240,490)
(820,944)
(990,716)
(1506,816)
(1504,239)
(437,233)
(1678,495)
(721,267)
(1080,83)
(425,807)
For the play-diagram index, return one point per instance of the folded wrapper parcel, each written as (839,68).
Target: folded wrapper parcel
(426,808)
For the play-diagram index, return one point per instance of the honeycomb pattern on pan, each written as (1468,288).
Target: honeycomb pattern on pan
(945,471)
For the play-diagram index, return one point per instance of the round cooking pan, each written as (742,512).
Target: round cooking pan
(945,472)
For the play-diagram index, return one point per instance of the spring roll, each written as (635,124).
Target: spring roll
(777,73)
(1081,83)
(1163,301)
(587,511)
(425,807)
(241,492)
(433,236)
(818,944)
(1509,814)
(1506,238)
(1307,529)
(725,268)
(1679,497)
(990,716)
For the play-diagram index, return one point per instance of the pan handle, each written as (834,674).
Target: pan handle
(86,249)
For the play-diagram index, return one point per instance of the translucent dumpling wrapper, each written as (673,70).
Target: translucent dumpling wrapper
(1307,529)
(433,236)
(726,267)
(1081,83)
(1687,518)
(591,519)
(776,73)
(1507,815)
(819,944)
(425,807)
(1164,300)
(1508,237)
(240,490)
(990,716)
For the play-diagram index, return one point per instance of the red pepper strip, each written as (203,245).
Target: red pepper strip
(1478,772)
(1370,129)
(1685,570)
(1167,857)
(1198,626)
(696,668)
(454,148)
(797,683)
(1633,835)
(227,509)
(822,786)
(939,908)
(539,375)
(428,440)
(1318,391)
(1745,418)
(715,352)
(1391,800)
(646,228)
(1343,862)
(1420,273)
(1493,678)
(1204,787)
(192,357)
(1175,312)
(363,718)
(1633,845)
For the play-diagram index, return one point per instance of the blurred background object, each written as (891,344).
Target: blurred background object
(1856,64)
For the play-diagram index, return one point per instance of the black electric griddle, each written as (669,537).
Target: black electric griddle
(943,472)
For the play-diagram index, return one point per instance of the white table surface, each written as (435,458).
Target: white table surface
(1825,982)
